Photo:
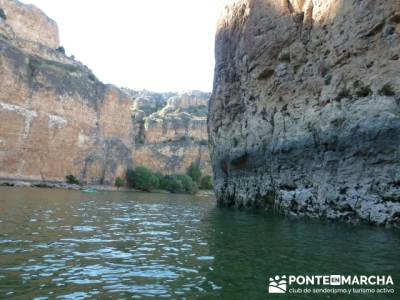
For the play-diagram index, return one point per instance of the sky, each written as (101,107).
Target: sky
(157,45)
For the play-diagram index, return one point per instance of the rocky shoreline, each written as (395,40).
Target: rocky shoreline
(39,184)
(66,186)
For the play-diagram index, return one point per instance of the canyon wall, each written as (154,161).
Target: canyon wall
(171,131)
(57,118)
(30,23)
(305,112)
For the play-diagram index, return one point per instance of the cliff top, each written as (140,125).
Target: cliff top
(188,104)
(30,30)
(30,23)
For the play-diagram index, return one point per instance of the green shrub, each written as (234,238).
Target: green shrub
(130,173)
(194,172)
(343,94)
(171,183)
(61,49)
(206,183)
(142,179)
(119,182)
(130,177)
(92,77)
(328,79)
(3,14)
(179,183)
(159,178)
(203,142)
(198,110)
(363,91)
(387,90)
(71,179)
(189,186)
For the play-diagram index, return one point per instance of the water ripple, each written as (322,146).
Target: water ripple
(129,247)
(68,245)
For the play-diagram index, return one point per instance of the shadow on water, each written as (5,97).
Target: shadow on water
(249,247)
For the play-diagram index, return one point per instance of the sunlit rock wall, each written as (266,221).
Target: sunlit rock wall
(56,118)
(30,23)
(171,131)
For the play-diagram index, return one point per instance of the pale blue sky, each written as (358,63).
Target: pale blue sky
(158,45)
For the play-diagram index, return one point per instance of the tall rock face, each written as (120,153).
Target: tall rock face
(305,111)
(56,118)
(170,131)
(30,23)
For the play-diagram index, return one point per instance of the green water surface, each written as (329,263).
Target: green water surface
(57,244)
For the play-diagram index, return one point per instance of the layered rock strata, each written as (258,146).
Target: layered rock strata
(57,118)
(305,111)
(171,131)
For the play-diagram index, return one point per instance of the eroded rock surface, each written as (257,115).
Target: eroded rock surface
(30,24)
(305,111)
(57,118)
(171,130)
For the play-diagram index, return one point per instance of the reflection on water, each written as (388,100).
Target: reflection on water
(76,245)
(70,245)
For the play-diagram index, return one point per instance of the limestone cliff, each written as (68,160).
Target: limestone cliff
(305,111)
(171,130)
(57,118)
(30,23)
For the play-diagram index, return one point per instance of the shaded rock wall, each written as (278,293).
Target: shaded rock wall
(305,110)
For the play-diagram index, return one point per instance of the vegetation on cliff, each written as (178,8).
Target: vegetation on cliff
(206,183)
(170,130)
(3,14)
(119,182)
(71,179)
(144,179)
(194,172)
(45,93)
(179,183)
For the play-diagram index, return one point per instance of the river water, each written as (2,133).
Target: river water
(57,244)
